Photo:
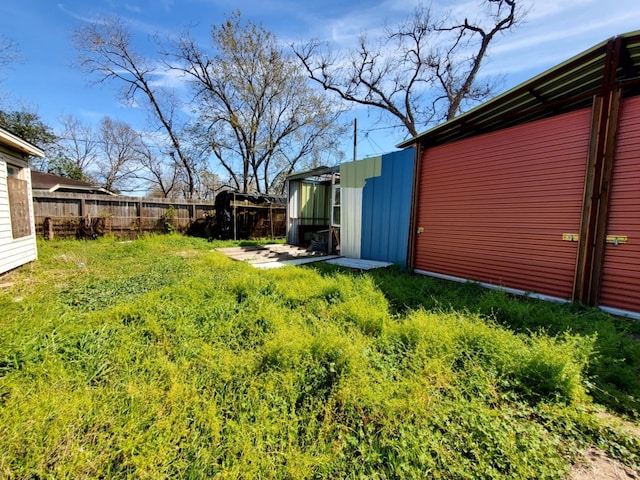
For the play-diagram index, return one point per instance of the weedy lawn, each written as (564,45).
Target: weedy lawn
(160,358)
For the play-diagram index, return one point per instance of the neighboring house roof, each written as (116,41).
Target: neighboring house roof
(56,183)
(612,64)
(20,144)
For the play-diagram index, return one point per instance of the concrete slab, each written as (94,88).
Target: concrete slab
(299,261)
(279,255)
(272,256)
(358,263)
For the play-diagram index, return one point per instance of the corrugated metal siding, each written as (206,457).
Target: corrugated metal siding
(355,174)
(386,208)
(293,212)
(353,177)
(351,221)
(621,269)
(494,207)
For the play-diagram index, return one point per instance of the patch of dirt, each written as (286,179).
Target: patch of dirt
(631,427)
(598,466)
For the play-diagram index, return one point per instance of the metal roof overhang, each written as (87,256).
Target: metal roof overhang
(610,65)
(316,172)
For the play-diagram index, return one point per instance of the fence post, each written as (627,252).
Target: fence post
(47,228)
(235,220)
(271,218)
(139,215)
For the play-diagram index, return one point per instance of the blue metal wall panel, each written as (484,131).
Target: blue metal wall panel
(386,207)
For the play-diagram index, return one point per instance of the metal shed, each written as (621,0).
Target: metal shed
(312,208)
(538,190)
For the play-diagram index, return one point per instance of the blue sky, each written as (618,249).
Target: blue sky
(46,80)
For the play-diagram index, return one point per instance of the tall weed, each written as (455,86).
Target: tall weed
(160,358)
(613,369)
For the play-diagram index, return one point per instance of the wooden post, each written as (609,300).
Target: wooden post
(139,215)
(234,220)
(271,218)
(595,207)
(47,228)
(584,260)
(605,190)
(413,215)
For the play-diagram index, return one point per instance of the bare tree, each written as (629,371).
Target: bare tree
(160,176)
(76,150)
(107,52)
(211,185)
(117,167)
(256,111)
(424,70)
(8,52)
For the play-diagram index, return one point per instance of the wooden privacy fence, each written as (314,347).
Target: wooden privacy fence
(76,215)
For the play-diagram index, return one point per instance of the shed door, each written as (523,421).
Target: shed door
(621,268)
(493,208)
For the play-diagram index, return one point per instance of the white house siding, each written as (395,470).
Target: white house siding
(351,222)
(14,252)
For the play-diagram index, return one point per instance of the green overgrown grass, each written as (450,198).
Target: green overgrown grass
(613,371)
(160,358)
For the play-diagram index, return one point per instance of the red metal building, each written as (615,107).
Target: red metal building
(538,190)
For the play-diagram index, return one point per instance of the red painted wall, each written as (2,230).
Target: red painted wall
(493,208)
(621,271)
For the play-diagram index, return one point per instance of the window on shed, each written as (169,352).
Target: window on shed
(335,206)
(18,189)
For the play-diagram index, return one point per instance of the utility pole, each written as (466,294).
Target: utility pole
(355,138)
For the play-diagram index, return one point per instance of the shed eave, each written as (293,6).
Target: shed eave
(573,75)
(316,172)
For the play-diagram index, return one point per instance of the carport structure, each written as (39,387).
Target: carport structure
(538,190)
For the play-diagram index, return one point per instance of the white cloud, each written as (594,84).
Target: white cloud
(164,78)
(545,9)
